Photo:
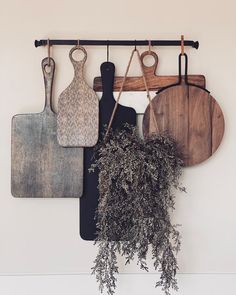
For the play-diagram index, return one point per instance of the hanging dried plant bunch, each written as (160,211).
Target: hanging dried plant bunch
(137,180)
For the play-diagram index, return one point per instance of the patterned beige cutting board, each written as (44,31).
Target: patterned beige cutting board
(77,120)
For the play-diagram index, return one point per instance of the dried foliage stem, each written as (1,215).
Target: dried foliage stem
(137,183)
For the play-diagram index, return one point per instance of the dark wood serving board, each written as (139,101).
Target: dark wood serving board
(154,81)
(89,199)
(39,166)
(191,116)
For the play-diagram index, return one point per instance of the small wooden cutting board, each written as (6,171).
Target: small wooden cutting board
(77,120)
(40,167)
(89,200)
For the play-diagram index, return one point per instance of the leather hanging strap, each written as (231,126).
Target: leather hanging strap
(121,90)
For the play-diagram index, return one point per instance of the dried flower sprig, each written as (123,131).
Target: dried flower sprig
(137,183)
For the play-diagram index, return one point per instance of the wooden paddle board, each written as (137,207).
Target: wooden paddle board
(40,167)
(89,200)
(77,120)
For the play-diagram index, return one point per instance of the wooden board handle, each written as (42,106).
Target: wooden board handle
(48,67)
(107,76)
(78,63)
(149,70)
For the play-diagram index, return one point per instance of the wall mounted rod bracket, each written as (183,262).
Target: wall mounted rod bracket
(190,43)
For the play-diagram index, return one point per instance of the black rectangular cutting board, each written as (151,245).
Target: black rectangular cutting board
(39,166)
(89,199)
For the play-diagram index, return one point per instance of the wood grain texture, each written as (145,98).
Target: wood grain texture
(154,81)
(77,120)
(218,130)
(200,127)
(39,166)
(192,117)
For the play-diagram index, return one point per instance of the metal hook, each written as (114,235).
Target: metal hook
(182,44)
(186,68)
(135,47)
(78,42)
(107,51)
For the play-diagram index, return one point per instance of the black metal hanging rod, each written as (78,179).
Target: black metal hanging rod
(194,44)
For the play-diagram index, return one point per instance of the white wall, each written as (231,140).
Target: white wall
(41,236)
(127,284)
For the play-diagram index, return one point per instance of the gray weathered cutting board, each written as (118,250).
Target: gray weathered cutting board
(40,167)
(77,121)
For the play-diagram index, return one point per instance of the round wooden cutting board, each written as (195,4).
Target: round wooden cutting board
(191,116)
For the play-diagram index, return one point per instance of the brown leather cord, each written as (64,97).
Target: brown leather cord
(121,90)
(152,117)
(149,46)
(48,44)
